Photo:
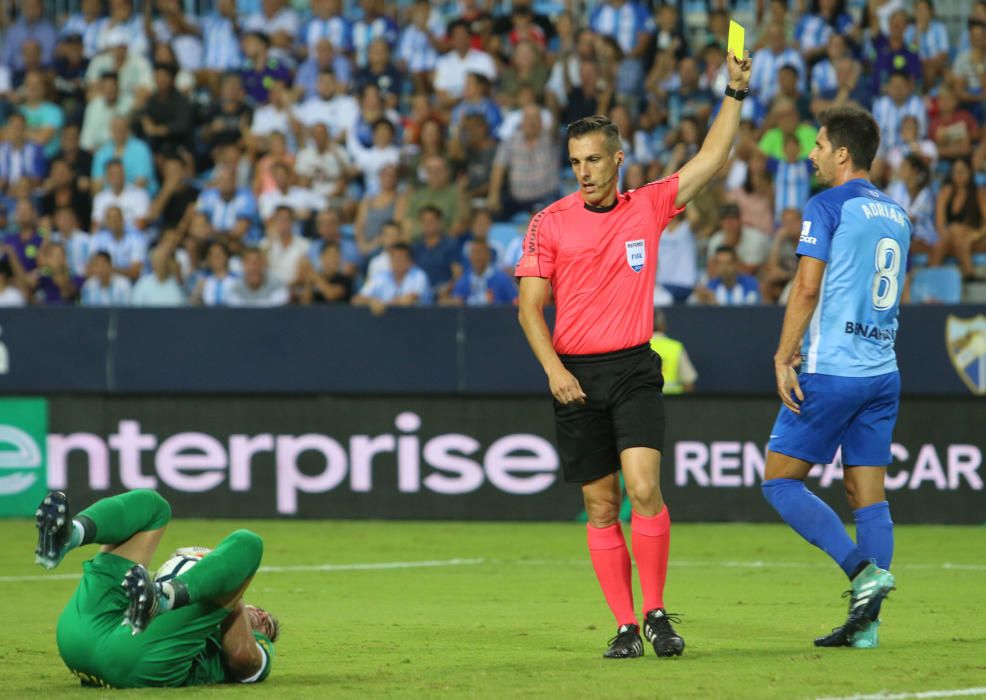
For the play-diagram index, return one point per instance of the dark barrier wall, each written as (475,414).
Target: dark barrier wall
(437,458)
(942,351)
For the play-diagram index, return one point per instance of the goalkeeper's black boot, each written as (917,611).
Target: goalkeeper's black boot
(54,523)
(660,633)
(626,644)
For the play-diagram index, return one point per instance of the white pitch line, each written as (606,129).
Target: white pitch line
(955,693)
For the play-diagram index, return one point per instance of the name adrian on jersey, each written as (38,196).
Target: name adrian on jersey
(805,238)
(635,255)
(886,211)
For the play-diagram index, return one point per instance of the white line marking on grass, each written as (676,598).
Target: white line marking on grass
(328,568)
(958,692)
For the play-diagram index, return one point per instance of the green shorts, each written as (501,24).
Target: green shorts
(182,647)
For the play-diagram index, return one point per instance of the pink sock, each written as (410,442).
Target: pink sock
(611,560)
(651,538)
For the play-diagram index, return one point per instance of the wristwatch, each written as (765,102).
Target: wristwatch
(737,94)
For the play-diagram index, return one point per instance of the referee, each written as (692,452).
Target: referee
(596,250)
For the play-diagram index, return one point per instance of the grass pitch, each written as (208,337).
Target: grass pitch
(375,609)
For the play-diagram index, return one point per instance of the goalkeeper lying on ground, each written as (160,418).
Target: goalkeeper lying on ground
(121,629)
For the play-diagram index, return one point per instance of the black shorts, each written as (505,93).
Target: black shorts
(623,408)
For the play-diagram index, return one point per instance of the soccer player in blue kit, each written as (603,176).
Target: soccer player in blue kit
(839,329)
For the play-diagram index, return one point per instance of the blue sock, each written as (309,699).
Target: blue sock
(875,533)
(812,518)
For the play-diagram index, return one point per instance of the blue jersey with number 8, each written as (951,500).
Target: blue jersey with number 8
(863,236)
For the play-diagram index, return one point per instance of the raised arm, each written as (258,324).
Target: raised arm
(697,172)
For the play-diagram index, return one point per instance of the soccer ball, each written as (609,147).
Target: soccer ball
(179,562)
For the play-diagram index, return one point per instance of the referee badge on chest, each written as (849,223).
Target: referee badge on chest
(635,255)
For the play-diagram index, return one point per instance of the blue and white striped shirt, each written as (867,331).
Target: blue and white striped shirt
(385,287)
(889,115)
(89,31)
(337,30)
(622,24)
(921,209)
(215,291)
(77,250)
(124,252)
(763,81)
(364,33)
(792,185)
(116,294)
(823,78)
(813,31)
(222,46)
(26,161)
(222,214)
(416,50)
(933,42)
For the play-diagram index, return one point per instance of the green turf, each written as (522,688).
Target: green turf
(529,621)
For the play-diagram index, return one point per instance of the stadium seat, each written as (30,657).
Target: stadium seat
(502,233)
(941,285)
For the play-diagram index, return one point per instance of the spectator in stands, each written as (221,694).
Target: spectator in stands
(30,62)
(228,120)
(375,212)
(566,73)
(788,82)
(328,230)
(215,287)
(473,153)
(892,54)
(381,71)
(404,284)
(182,35)
(283,249)
(19,157)
(44,119)
(966,76)
(827,17)
(127,248)
(78,159)
(629,25)
(87,24)
(435,252)
(677,265)
(134,73)
(53,282)
(131,199)
(335,109)
(26,241)
(220,42)
(370,161)
(374,24)
(749,246)
(325,58)
(134,154)
(482,284)
(167,121)
(931,38)
(30,26)
(850,88)
(910,142)
(890,109)
(371,109)
(61,189)
(160,286)
(231,210)
(276,153)
(327,23)
(784,122)
(260,68)
(256,288)
(953,129)
(593,94)
(75,242)
(527,69)
(782,262)
(792,178)
(10,294)
(416,54)
(100,112)
(390,235)
(430,142)
(175,201)
(302,201)
(278,20)
(728,286)
(438,192)
(677,369)
(452,68)
(123,21)
(525,169)
(70,76)
(912,192)
(323,166)
(777,53)
(960,219)
(687,98)
(326,284)
(476,100)
(104,287)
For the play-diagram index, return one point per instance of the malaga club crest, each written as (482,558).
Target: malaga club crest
(965,339)
(635,255)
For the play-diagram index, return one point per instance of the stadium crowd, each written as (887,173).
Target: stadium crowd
(266,152)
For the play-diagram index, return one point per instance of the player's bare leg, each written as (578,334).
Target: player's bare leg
(814,520)
(611,562)
(651,533)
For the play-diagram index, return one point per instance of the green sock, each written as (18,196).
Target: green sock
(221,571)
(118,518)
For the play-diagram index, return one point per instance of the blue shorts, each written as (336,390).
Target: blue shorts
(855,413)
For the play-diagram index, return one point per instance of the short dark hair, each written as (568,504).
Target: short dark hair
(403,247)
(853,129)
(386,122)
(789,67)
(430,208)
(104,255)
(112,162)
(726,249)
(597,124)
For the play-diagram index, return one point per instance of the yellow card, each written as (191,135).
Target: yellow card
(735,42)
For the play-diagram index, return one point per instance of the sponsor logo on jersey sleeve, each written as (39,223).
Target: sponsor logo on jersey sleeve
(805,233)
